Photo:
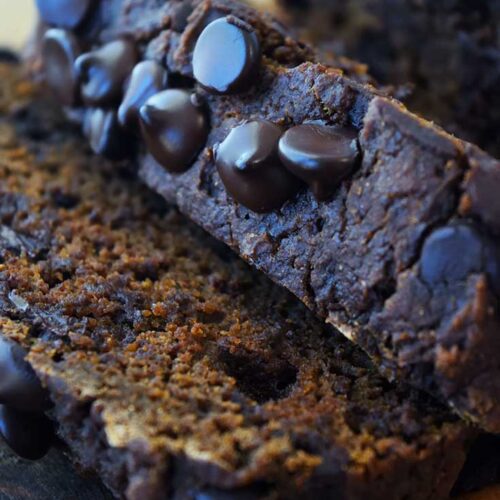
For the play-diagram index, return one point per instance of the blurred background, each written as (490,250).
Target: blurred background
(16,22)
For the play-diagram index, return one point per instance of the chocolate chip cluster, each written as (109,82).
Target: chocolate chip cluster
(260,164)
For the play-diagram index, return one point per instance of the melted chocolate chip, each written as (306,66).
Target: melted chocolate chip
(60,49)
(19,385)
(249,166)
(453,252)
(64,13)
(226,57)
(319,155)
(102,72)
(30,435)
(106,137)
(174,127)
(147,79)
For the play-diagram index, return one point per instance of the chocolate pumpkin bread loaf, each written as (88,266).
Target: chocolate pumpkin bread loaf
(380,222)
(449,50)
(173,369)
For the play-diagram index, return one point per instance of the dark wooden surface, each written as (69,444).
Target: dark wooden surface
(52,478)
(55,478)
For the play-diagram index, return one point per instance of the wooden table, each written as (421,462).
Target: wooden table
(52,478)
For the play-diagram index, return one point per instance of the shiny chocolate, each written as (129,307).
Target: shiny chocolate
(103,71)
(105,135)
(19,385)
(250,168)
(147,79)
(174,127)
(60,48)
(320,155)
(30,435)
(64,13)
(226,58)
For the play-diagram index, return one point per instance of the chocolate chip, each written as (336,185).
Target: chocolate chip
(147,79)
(30,435)
(7,56)
(320,155)
(482,186)
(226,57)
(174,127)
(180,15)
(248,493)
(249,166)
(19,385)
(60,49)
(453,252)
(210,15)
(106,137)
(103,72)
(64,13)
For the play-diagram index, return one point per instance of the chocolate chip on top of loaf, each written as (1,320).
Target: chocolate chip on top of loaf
(226,57)
(342,215)
(250,168)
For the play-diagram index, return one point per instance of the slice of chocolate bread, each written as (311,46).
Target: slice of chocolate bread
(176,371)
(392,238)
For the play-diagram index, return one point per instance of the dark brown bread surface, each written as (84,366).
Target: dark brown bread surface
(449,50)
(175,370)
(355,260)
